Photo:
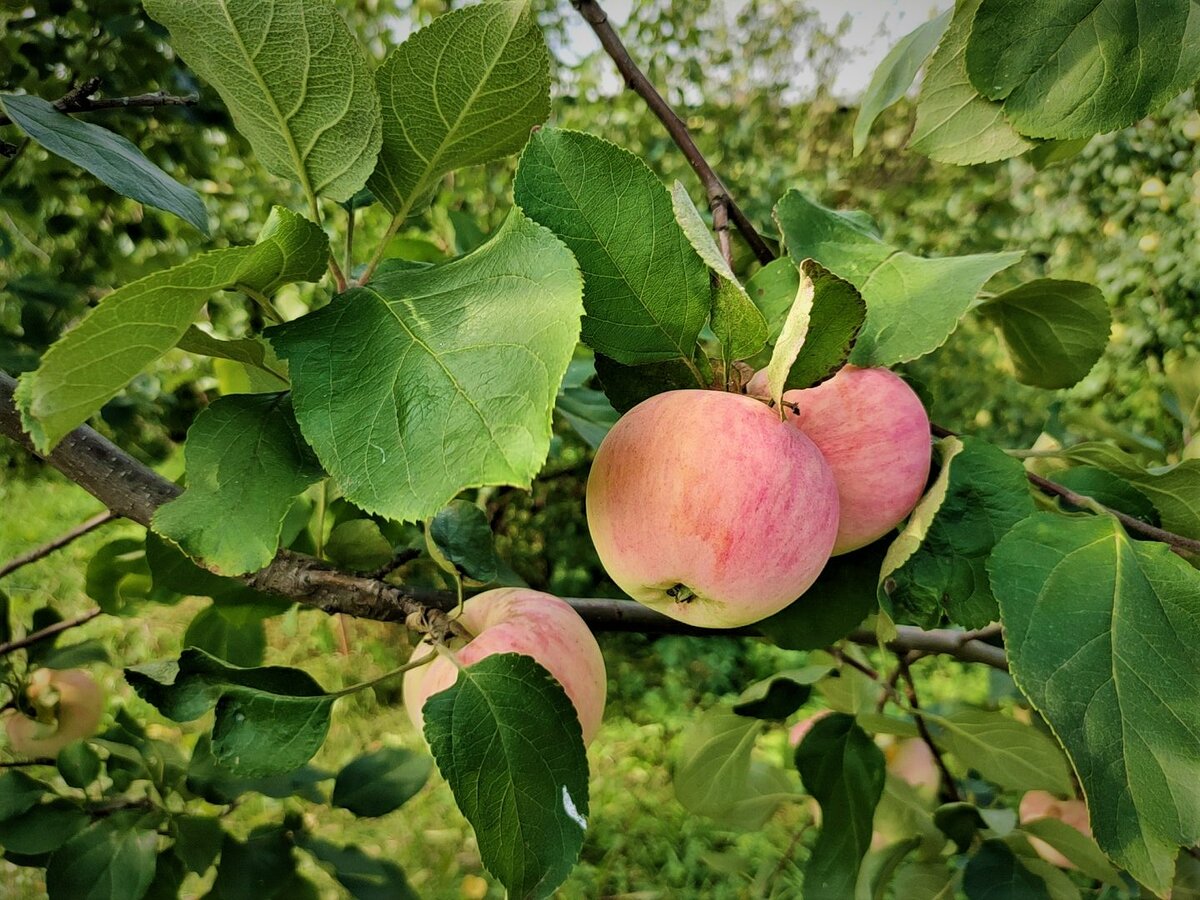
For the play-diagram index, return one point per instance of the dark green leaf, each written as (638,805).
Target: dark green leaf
(1103,637)
(78,764)
(198,840)
(959,822)
(840,599)
(627,386)
(1107,488)
(118,578)
(779,696)
(507,739)
(1054,330)
(256,734)
(107,155)
(255,869)
(169,874)
(233,633)
(995,873)
(358,545)
(587,411)
(462,537)
(844,770)
(246,464)
(565,181)
(173,571)
(378,783)
(364,876)
(937,566)
(74,656)
(111,859)
(42,828)
(249,351)
(19,792)
(217,785)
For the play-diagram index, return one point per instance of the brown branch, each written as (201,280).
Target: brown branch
(58,543)
(910,687)
(134,492)
(49,631)
(80,100)
(723,206)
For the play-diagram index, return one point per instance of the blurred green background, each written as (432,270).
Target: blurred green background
(1122,214)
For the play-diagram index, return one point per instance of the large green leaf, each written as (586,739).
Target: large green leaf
(508,741)
(646,291)
(111,859)
(295,80)
(108,156)
(945,574)
(460,539)
(258,868)
(1054,330)
(955,124)
(246,464)
(844,770)
(1103,636)
(1003,750)
(464,90)
(429,381)
(736,321)
(913,303)
(378,783)
(895,74)
(995,873)
(136,324)
(1081,67)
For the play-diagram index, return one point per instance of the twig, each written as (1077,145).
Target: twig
(49,631)
(723,207)
(79,100)
(893,680)
(923,729)
(58,543)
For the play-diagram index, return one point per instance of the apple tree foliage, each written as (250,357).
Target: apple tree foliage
(404,386)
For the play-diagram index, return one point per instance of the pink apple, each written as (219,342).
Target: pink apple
(912,760)
(1044,805)
(70,706)
(874,432)
(519,620)
(706,507)
(804,726)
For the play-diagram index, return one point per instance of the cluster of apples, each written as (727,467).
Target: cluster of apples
(708,507)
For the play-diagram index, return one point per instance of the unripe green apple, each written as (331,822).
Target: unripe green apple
(1044,805)
(519,620)
(872,429)
(705,506)
(69,704)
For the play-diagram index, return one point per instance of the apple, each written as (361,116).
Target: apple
(705,506)
(69,706)
(872,429)
(804,726)
(912,760)
(1044,805)
(519,620)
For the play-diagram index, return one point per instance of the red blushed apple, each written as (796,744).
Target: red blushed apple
(71,704)
(704,506)
(518,620)
(804,726)
(1044,805)
(872,429)
(912,760)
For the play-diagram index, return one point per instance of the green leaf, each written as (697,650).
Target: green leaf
(646,291)
(844,771)
(249,351)
(364,876)
(1075,846)
(959,822)
(107,155)
(232,632)
(78,764)
(945,574)
(735,320)
(840,599)
(42,828)
(118,578)
(1082,67)
(111,859)
(627,386)
(136,324)
(777,697)
(74,656)
(378,783)
(295,80)
(1003,750)
(716,775)
(462,538)
(358,545)
(429,381)
(955,124)
(1174,490)
(1107,488)
(895,74)
(464,90)
(1054,330)
(216,785)
(913,303)
(169,874)
(995,873)
(258,868)
(588,412)
(916,880)
(18,793)
(246,463)
(172,571)
(256,733)
(198,840)
(508,741)
(1103,637)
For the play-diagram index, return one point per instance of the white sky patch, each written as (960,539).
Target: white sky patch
(572,812)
